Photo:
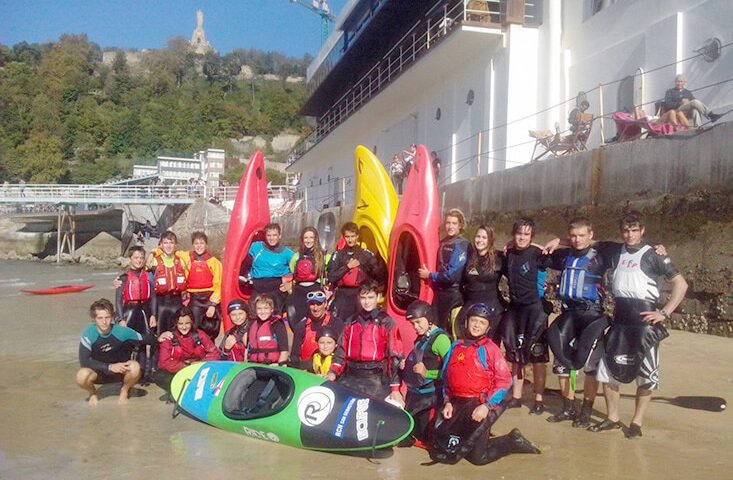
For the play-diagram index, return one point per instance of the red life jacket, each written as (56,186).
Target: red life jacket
(305,269)
(199,273)
(198,348)
(467,370)
(366,340)
(137,288)
(310,342)
(262,343)
(238,351)
(354,277)
(169,280)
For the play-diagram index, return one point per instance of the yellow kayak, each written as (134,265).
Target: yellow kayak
(375,202)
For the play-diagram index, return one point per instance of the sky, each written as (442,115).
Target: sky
(272,25)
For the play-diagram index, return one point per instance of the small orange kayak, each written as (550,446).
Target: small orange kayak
(59,289)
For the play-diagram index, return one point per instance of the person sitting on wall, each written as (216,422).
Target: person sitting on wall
(683,105)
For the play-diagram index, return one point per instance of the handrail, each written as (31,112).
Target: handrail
(107,193)
(422,36)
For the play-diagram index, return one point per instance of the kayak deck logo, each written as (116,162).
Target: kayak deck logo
(314,405)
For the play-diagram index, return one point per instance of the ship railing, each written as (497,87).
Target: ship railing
(425,34)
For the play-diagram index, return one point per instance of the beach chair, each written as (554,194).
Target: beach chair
(544,139)
(576,141)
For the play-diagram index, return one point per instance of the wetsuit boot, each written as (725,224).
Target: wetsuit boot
(583,419)
(498,447)
(568,412)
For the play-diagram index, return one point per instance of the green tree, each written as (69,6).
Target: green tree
(39,159)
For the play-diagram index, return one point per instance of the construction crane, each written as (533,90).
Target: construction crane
(321,8)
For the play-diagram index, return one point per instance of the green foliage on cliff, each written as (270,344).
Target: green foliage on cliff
(67,117)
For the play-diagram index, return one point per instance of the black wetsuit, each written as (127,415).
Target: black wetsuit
(446,282)
(345,302)
(481,285)
(525,321)
(574,334)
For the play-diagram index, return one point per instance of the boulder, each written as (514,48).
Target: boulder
(103,247)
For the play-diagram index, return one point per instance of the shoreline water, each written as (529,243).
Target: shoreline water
(49,431)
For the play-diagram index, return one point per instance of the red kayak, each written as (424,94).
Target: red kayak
(414,242)
(250,215)
(59,289)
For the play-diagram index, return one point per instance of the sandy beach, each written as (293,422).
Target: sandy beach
(49,431)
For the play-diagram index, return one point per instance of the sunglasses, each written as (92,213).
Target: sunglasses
(316,296)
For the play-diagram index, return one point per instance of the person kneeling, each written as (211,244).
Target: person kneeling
(181,347)
(476,378)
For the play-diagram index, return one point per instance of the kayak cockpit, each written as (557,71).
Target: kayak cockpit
(257,393)
(406,287)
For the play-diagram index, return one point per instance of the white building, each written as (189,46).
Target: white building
(470,78)
(206,165)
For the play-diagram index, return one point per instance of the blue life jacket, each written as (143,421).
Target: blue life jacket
(576,282)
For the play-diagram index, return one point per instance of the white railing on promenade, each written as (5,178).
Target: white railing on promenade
(116,194)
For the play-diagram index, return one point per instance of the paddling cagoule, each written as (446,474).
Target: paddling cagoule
(137,288)
(199,273)
(169,280)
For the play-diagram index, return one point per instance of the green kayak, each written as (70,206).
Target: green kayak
(288,406)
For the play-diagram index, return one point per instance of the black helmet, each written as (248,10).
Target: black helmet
(418,309)
(327,332)
(481,310)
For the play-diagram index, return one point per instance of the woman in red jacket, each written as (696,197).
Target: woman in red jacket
(180,347)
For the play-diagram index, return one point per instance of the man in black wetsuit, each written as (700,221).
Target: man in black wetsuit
(104,353)
(446,282)
(525,321)
(573,336)
(349,268)
(632,343)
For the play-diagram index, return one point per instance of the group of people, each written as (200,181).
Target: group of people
(402,163)
(455,380)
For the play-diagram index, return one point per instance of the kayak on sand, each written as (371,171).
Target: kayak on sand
(288,406)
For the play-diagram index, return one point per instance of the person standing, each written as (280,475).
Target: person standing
(271,266)
(350,268)
(308,267)
(525,320)
(136,304)
(203,284)
(397,171)
(631,345)
(446,282)
(480,283)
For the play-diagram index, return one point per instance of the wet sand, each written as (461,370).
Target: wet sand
(47,430)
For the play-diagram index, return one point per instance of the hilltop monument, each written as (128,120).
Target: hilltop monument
(198,41)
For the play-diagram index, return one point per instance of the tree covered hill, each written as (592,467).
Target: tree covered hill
(67,117)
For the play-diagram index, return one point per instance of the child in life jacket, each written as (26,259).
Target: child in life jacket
(180,347)
(370,350)
(234,344)
(308,266)
(321,361)
(169,275)
(203,284)
(136,304)
(267,337)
